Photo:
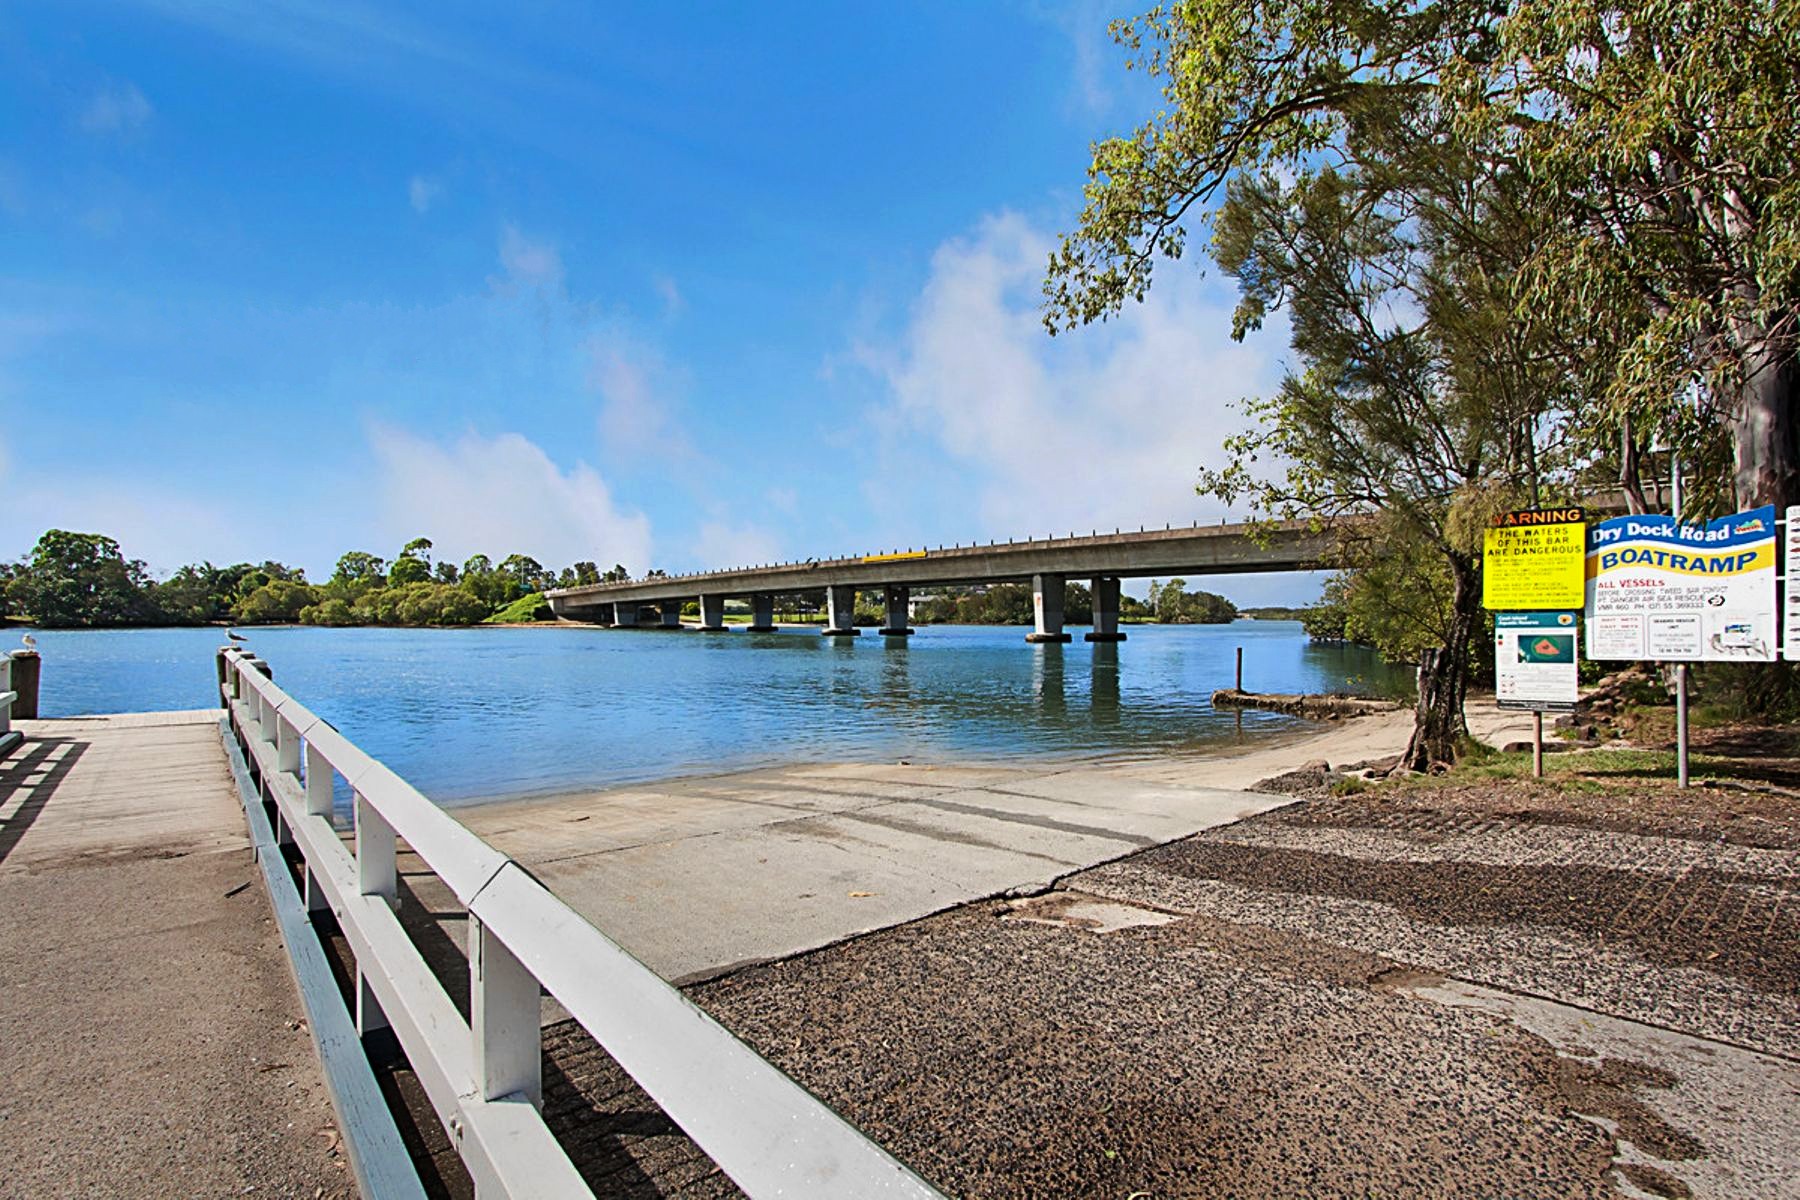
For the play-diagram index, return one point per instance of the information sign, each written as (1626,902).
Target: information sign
(1669,592)
(1534,661)
(1532,560)
(1790,624)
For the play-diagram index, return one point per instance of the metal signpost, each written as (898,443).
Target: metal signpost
(1533,564)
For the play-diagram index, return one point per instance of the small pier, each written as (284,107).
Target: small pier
(153,1040)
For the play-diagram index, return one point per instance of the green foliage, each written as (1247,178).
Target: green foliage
(1313,141)
(358,571)
(532,607)
(1001,604)
(413,565)
(83,580)
(331,611)
(1276,612)
(1659,144)
(80,580)
(1175,606)
(279,601)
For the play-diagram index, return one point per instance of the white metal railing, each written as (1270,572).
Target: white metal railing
(483,1075)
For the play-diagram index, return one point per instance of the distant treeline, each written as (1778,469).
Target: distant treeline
(83,581)
(1274,612)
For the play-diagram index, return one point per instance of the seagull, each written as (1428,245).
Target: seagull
(30,642)
(235,636)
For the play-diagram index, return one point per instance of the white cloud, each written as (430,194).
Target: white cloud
(1085,24)
(501,495)
(118,109)
(670,295)
(528,262)
(423,192)
(1100,428)
(638,401)
(720,546)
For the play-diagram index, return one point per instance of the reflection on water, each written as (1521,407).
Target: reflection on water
(470,714)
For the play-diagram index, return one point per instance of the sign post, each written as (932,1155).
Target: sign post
(1666,591)
(1534,668)
(1532,571)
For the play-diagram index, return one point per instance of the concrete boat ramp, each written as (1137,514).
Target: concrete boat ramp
(695,876)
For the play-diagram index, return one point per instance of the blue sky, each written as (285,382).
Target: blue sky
(681,286)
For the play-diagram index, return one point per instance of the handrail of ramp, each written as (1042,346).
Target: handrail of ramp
(483,1075)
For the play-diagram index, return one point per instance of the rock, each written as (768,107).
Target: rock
(1317,764)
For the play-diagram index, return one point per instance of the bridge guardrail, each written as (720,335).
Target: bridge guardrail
(483,1076)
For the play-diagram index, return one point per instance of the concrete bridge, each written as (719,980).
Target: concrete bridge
(1046,564)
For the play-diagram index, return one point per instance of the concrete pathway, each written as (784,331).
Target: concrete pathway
(150,1035)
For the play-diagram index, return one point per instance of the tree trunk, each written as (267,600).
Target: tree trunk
(1765,421)
(1444,677)
(1766,470)
(1631,481)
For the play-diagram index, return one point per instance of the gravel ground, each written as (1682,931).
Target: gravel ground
(1273,1039)
(1279,1008)
(1007,1058)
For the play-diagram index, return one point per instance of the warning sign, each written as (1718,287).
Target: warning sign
(1534,561)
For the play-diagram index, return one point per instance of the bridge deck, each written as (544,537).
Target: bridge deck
(151,1031)
(1193,550)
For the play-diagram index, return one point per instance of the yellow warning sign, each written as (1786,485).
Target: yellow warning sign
(1534,561)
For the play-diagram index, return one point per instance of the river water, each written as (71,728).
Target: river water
(473,714)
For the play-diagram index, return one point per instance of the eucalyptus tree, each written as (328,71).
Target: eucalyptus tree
(1658,136)
(1314,144)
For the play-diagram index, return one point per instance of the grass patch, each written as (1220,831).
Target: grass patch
(1581,771)
(529,607)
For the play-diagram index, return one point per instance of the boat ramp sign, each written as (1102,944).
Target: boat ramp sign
(1791,614)
(1532,560)
(1661,590)
(1534,661)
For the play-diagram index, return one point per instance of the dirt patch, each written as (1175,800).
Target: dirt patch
(1654,1181)
(1603,1090)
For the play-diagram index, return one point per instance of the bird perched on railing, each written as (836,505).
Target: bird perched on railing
(30,642)
(235,636)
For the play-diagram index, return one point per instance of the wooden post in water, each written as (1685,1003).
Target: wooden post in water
(1240,668)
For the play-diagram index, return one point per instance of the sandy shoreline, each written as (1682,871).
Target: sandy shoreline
(1222,765)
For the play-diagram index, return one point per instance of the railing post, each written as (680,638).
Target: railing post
(376,875)
(318,783)
(376,871)
(287,748)
(503,1019)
